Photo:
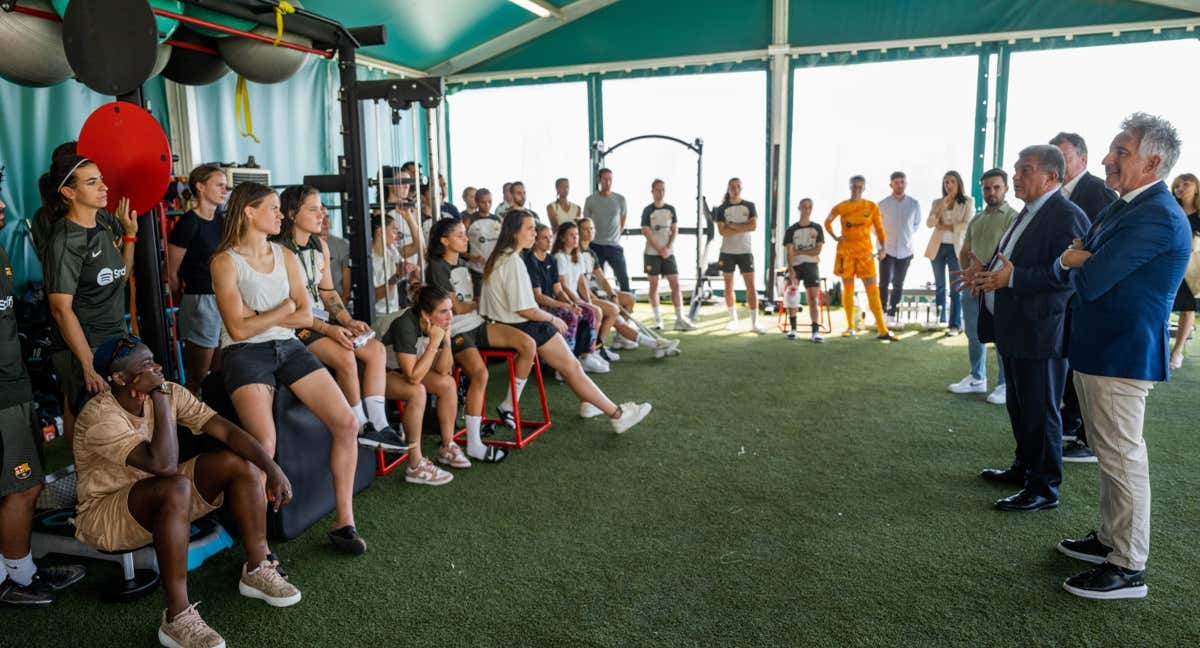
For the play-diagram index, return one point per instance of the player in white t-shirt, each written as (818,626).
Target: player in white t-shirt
(660,226)
(481,235)
(737,220)
(803,242)
(508,298)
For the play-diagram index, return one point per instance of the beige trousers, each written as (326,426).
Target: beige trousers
(1113,412)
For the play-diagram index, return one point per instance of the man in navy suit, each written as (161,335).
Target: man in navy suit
(1125,274)
(1024,302)
(1091,195)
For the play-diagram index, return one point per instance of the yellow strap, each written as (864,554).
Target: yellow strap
(280,10)
(241,110)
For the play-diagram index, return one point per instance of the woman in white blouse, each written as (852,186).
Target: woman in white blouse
(948,218)
(508,298)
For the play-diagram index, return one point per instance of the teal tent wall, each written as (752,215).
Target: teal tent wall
(32,122)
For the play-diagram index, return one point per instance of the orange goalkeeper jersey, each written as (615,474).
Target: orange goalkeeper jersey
(858,217)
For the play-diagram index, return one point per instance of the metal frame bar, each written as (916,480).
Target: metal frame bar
(981,115)
(1002,67)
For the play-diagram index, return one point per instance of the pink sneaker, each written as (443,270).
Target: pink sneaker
(453,456)
(427,473)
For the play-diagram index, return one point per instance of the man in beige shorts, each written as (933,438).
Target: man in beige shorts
(133,491)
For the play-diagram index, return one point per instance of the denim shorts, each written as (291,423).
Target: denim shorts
(266,363)
(200,321)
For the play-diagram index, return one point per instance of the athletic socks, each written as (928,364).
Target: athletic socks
(507,405)
(733,314)
(876,308)
(657,312)
(647,341)
(848,304)
(357,408)
(816,328)
(376,411)
(21,570)
(475,446)
(792,320)
(678,313)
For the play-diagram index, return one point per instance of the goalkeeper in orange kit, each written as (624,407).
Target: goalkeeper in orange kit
(855,256)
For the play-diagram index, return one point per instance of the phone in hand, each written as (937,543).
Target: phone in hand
(362,339)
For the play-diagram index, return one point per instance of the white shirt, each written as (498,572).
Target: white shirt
(507,290)
(901,220)
(1129,196)
(481,239)
(1069,188)
(404,235)
(383,266)
(570,271)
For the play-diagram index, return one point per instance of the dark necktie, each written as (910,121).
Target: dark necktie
(1008,235)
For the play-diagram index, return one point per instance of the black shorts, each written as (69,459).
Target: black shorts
(541,332)
(656,265)
(808,273)
(307,336)
(744,262)
(1184,300)
(476,338)
(20,467)
(266,363)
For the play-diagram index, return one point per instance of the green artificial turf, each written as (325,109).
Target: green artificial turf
(780,494)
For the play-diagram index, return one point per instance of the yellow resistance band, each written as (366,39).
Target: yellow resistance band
(280,10)
(241,110)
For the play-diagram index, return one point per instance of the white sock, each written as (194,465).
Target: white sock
(657,314)
(21,570)
(647,341)
(754,317)
(358,413)
(733,313)
(678,312)
(475,446)
(376,411)
(507,405)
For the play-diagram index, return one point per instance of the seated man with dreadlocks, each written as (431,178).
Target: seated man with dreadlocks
(133,490)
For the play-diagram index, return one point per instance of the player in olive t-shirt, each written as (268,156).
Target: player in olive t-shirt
(22,583)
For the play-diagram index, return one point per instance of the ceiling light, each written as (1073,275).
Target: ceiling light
(540,9)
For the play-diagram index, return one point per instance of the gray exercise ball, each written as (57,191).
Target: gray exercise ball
(263,62)
(160,59)
(32,47)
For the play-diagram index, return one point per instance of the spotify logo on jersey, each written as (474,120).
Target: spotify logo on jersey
(6,303)
(109,275)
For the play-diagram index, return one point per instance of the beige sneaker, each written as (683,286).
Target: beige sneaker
(453,456)
(265,583)
(188,630)
(427,473)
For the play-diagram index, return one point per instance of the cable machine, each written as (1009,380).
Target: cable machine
(704,224)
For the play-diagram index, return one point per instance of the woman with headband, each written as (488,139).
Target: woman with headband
(87,263)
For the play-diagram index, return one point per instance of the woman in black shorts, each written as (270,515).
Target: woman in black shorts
(87,262)
(1187,191)
(508,298)
(469,333)
(262,300)
(331,335)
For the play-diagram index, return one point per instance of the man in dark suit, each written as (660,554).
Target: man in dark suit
(1125,274)
(1091,195)
(1024,302)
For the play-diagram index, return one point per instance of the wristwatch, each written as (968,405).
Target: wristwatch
(163,389)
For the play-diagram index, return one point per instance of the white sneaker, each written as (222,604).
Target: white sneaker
(428,474)
(816,337)
(999,395)
(968,385)
(631,415)
(733,325)
(607,354)
(621,343)
(673,348)
(758,328)
(593,364)
(684,324)
(658,324)
(587,410)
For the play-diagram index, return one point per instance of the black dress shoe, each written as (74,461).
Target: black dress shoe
(1106,582)
(1088,549)
(1026,502)
(1011,476)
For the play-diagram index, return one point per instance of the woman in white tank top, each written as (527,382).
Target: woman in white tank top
(562,210)
(262,300)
